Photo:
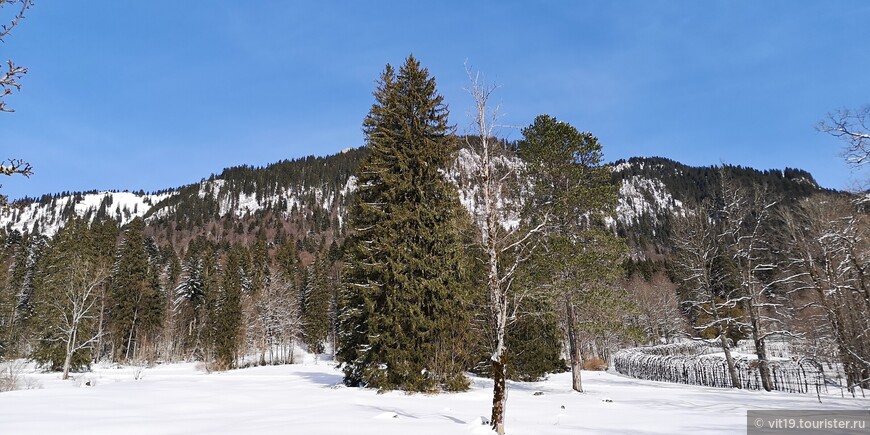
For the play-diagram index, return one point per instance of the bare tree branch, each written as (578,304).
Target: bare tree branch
(852,127)
(15,166)
(9,78)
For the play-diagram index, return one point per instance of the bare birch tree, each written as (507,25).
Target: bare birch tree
(507,241)
(77,307)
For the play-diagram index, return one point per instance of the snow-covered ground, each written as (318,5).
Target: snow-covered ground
(308,398)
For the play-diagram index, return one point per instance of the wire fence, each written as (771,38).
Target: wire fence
(693,363)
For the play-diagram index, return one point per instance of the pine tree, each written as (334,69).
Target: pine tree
(404,285)
(257,334)
(575,191)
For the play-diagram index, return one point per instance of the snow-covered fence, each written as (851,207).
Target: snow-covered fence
(693,363)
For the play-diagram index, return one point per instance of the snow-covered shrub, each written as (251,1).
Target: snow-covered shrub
(12,377)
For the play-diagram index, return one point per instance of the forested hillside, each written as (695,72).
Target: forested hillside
(308,196)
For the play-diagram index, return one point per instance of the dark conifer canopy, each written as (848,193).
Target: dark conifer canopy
(404,296)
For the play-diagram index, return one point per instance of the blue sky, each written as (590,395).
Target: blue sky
(157,94)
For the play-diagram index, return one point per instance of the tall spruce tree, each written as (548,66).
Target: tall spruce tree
(317,296)
(136,314)
(227,321)
(404,283)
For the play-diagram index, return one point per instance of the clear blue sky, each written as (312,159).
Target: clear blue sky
(156,94)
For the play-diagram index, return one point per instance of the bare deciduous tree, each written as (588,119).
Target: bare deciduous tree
(745,214)
(76,307)
(12,167)
(853,127)
(507,242)
(278,318)
(658,308)
(829,244)
(698,249)
(8,81)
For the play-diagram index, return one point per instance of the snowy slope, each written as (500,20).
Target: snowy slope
(643,199)
(49,215)
(641,196)
(309,399)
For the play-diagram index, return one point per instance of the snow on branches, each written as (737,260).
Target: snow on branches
(700,363)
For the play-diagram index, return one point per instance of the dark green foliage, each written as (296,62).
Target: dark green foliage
(316,299)
(227,319)
(137,302)
(287,259)
(105,237)
(535,342)
(573,197)
(644,267)
(566,166)
(70,257)
(261,264)
(405,294)
(18,294)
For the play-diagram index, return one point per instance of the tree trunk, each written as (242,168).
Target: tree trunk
(573,348)
(763,365)
(499,392)
(130,337)
(760,350)
(732,370)
(97,356)
(67,361)
(66,364)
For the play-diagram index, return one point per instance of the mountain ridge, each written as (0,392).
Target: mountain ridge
(309,196)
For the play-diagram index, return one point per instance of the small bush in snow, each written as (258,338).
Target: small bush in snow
(12,377)
(594,364)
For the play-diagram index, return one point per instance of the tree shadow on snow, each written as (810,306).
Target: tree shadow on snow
(324,379)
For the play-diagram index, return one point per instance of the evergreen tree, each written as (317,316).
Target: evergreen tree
(136,314)
(189,304)
(405,289)
(20,290)
(535,342)
(210,309)
(574,191)
(315,307)
(227,322)
(261,264)
(287,260)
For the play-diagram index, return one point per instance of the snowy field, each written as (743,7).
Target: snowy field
(308,398)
